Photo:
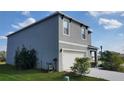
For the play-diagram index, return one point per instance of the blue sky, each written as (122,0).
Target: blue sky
(107,26)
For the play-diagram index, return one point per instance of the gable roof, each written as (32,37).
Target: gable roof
(52,15)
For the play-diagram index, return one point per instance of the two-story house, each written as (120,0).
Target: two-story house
(57,36)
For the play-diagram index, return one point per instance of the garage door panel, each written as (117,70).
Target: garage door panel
(69,58)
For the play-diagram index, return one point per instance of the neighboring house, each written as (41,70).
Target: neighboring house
(57,36)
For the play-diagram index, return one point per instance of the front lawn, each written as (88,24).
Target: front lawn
(9,73)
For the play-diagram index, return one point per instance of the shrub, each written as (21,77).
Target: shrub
(117,61)
(121,69)
(25,59)
(112,61)
(2,56)
(81,66)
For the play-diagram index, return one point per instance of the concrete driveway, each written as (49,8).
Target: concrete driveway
(105,74)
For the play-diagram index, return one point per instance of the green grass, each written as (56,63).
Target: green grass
(9,73)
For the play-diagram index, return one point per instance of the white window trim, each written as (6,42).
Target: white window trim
(84,33)
(68,28)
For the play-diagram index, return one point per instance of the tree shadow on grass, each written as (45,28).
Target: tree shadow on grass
(10,69)
(9,73)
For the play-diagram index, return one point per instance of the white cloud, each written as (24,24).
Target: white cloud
(10,32)
(3,37)
(122,48)
(15,26)
(110,23)
(25,23)
(121,34)
(52,11)
(118,49)
(3,47)
(26,13)
(116,46)
(90,29)
(49,13)
(122,14)
(99,13)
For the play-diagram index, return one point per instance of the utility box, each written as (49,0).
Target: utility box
(66,78)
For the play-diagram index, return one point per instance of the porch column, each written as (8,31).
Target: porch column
(95,56)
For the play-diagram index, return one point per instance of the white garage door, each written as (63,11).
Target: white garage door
(69,58)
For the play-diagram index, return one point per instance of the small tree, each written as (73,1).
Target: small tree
(81,66)
(112,61)
(25,59)
(2,56)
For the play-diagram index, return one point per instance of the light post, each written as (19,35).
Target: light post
(101,47)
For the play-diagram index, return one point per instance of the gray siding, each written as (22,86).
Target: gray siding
(89,39)
(74,37)
(75,33)
(43,37)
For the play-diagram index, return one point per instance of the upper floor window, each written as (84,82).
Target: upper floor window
(66,27)
(83,36)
